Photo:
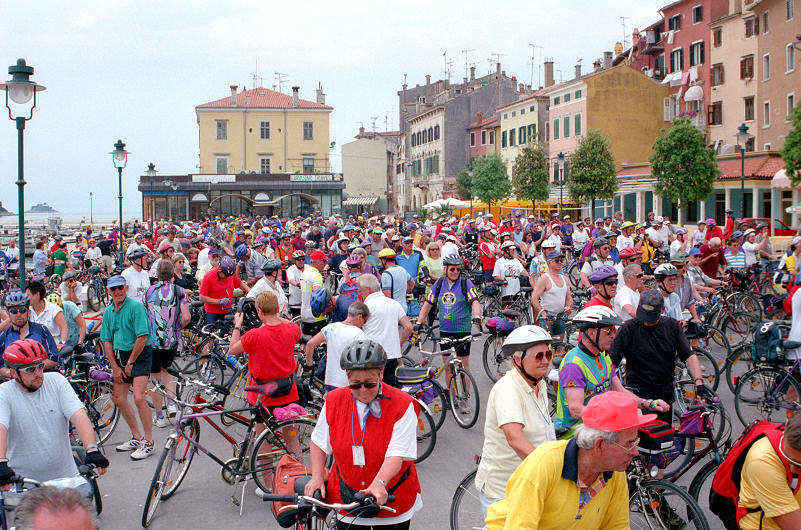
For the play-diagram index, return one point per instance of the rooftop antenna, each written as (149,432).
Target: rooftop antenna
(373,118)
(256,76)
(386,121)
(467,62)
(539,66)
(281,79)
(561,75)
(625,33)
(495,58)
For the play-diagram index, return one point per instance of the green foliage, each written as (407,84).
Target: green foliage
(684,167)
(591,169)
(791,152)
(490,182)
(463,184)
(530,180)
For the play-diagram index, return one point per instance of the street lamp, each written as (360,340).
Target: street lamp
(470,174)
(151,173)
(742,139)
(561,174)
(20,90)
(169,183)
(91,212)
(120,157)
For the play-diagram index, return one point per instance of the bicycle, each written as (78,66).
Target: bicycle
(313,513)
(466,510)
(96,293)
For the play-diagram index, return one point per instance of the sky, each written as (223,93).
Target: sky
(135,70)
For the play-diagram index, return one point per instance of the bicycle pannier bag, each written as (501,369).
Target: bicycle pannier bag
(766,346)
(286,473)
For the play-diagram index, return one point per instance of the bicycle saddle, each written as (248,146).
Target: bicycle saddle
(92,335)
(526,289)
(196,303)
(93,269)
(511,313)
(499,283)
(791,344)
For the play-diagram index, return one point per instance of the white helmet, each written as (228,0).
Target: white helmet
(659,219)
(664,270)
(508,244)
(493,232)
(597,316)
(524,337)
(548,243)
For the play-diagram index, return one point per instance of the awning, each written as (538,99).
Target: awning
(675,76)
(360,201)
(261,197)
(694,93)
(781,181)
(199,197)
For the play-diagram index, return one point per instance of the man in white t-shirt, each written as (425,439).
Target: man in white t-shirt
(625,239)
(581,235)
(509,269)
(627,298)
(12,254)
(93,254)
(657,233)
(338,336)
(293,275)
(136,277)
(681,243)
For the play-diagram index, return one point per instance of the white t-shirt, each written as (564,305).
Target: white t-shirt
(338,336)
(625,296)
(12,254)
(658,237)
(382,326)
(78,291)
(294,273)
(310,280)
(676,246)
(47,318)
(580,238)
(795,329)
(558,240)
(261,286)
(203,257)
(510,269)
(449,248)
(750,253)
(94,255)
(623,242)
(138,282)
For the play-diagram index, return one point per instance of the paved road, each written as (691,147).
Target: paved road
(203,500)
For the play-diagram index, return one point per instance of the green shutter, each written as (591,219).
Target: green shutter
(577,125)
(556,129)
(566,132)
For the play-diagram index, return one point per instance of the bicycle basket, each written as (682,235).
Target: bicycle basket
(766,345)
(407,375)
(500,325)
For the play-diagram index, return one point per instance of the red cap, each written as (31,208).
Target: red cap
(318,254)
(614,412)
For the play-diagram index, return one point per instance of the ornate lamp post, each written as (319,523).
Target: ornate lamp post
(120,157)
(151,173)
(742,139)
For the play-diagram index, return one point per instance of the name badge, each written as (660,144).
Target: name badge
(358,455)
(550,433)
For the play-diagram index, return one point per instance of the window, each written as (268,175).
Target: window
(749,108)
(505,116)
(308,130)
(766,67)
(578,94)
(556,100)
(766,147)
(717,74)
(514,113)
(503,139)
(308,164)
(790,105)
(413,140)
(532,132)
(264,165)
(521,135)
(788,9)
(747,67)
(674,23)
(717,37)
(436,132)
(566,124)
(790,59)
(430,134)
(715,113)
(677,60)
(511,137)
(492,137)
(472,139)
(222,130)
(425,136)
(264,130)
(483,137)
(751,26)
(577,125)
(697,53)
(766,114)
(698,14)
(419,137)
(765,22)
(222,165)
(556,129)
(531,108)
(567,97)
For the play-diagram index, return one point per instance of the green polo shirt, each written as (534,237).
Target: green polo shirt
(122,327)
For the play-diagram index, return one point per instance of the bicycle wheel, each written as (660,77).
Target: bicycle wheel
(686,452)
(438,408)
(766,393)
(709,368)
(181,456)
(208,369)
(465,403)
(156,489)
(747,302)
(660,504)
(574,275)
(291,437)
(495,362)
(702,483)
(426,434)
(737,365)
(100,408)
(466,510)
(92,298)
(490,306)
(737,327)
(237,398)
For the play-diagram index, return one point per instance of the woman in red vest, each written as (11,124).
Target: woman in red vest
(370,428)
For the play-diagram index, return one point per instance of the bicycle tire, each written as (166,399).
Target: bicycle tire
(438,407)
(261,463)
(709,368)
(737,365)
(467,394)
(208,369)
(699,487)
(760,394)
(495,362)
(237,397)
(648,501)
(92,298)
(426,434)
(736,327)
(156,486)
(686,454)
(490,305)
(98,402)
(466,510)
(747,302)
(181,458)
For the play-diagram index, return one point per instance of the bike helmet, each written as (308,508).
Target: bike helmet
(270,265)
(24,352)
(69,274)
(227,266)
(602,273)
(165,246)
(596,316)
(524,337)
(598,243)
(55,299)
(353,261)
(548,243)
(17,299)
(629,252)
(240,252)
(353,246)
(387,253)
(452,260)
(136,254)
(320,299)
(310,244)
(626,224)
(196,240)
(299,254)
(664,270)
(508,244)
(55,279)
(363,355)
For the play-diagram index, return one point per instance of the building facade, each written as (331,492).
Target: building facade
(521,122)
(369,167)
(481,136)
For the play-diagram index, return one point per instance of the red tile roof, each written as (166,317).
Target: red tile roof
(262,98)
(485,123)
(758,165)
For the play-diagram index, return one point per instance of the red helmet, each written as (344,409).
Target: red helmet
(629,252)
(24,352)
(298,254)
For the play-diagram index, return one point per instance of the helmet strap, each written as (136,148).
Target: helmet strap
(23,385)
(662,286)
(523,371)
(593,342)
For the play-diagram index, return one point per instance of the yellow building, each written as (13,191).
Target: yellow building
(264,131)
(521,122)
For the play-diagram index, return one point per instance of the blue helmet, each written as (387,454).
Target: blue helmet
(319,301)
(17,299)
(241,252)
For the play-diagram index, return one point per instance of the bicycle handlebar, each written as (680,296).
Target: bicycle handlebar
(301,500)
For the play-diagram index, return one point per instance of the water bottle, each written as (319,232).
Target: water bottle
(233,362)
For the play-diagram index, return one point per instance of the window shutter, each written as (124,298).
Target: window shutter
(756,25)
(672,63)
(710,114)
(720,74)
(681,59)
(666,110)
(742,68)
(702,43)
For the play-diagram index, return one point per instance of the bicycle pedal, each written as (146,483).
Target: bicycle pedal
(234,501)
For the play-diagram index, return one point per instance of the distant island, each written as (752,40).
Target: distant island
(3,211)
(42,207)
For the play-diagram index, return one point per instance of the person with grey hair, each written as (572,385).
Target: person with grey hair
(51,507)
(628,295)
(338,336)
(590,468)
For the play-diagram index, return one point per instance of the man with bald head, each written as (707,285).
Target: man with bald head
(712,259)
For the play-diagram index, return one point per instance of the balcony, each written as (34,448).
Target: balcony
(424,181)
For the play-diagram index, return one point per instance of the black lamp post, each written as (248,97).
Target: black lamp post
(120,157)
(470,174)
(20,102)
(742,139)
(151,173)
(561,173)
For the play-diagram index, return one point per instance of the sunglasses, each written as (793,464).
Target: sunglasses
(366,384)
(640,275)
(548,355)
(557,260)
(32,369)
(18,310)
(610,282)
(117,287)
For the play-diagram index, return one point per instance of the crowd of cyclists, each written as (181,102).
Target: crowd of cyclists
(610,309)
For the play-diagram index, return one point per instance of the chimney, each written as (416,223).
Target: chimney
(607,60)
(578,70)
(498,68)
(320,94)
(361,132)
(521,88)
(472,73)
(548,73)
(464,80)
(295,96)
(233,95)
(428,79)
(479,117)
(635,37)
(596,65)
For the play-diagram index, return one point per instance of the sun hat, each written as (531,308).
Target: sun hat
(650,306)
(116,281)
(613,411)
(318,255)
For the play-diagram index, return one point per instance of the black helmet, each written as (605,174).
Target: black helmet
(452,259)
(363,355)
(136,254)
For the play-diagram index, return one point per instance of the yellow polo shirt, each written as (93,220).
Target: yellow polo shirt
(764,485)
(542,493)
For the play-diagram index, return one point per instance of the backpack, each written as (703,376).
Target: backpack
(766,344)
(437,289)
(586,252)
(725,492)
(349,293)
(164,314)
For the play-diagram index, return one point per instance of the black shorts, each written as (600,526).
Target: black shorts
(312,328)
(141,366)
(162,359)
(462,348)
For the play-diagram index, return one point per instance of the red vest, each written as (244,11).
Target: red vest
(341,415)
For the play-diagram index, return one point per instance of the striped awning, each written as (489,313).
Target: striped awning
(360,201)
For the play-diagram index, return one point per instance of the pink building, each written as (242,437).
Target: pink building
(481,136)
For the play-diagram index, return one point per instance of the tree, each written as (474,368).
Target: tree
(463,183)
(490,182)
(684,167)
(530,180)
(791,152)
(591,169)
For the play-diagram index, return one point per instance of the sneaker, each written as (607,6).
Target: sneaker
(463,407)
(172,410)
(260,492)
(160,421)
(131,445)
(145,449)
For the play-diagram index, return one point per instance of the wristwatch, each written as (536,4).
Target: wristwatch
(382,482)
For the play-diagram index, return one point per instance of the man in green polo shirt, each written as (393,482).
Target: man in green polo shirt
(126,341)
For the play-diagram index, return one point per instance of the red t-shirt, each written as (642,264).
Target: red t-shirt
(484,247)
(596,301)
(710,268)
(715,231)
(213,287)
(271,356)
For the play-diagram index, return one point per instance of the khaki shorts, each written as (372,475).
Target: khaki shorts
(108,262)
